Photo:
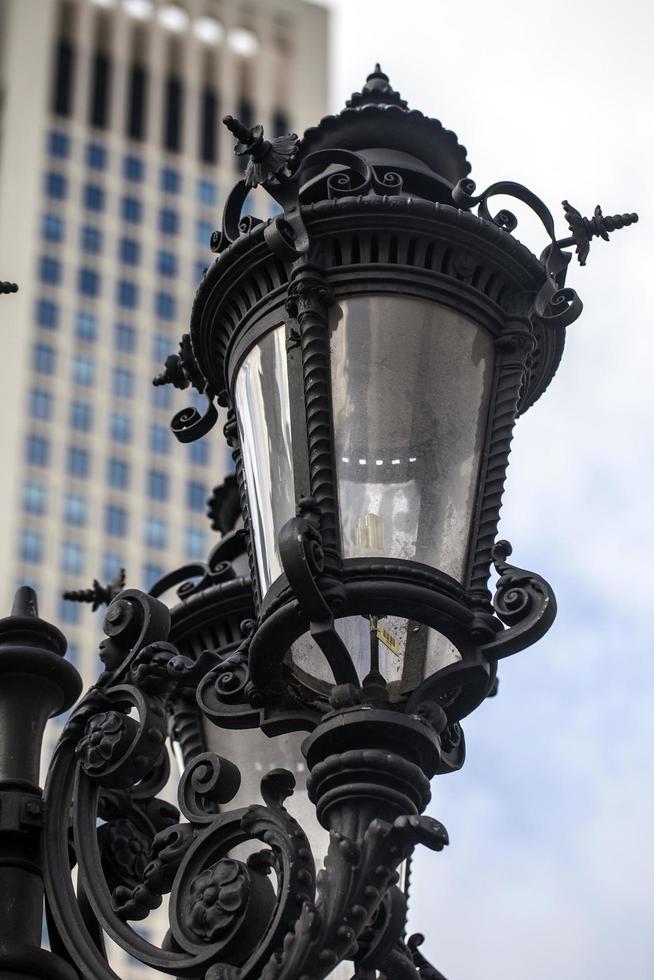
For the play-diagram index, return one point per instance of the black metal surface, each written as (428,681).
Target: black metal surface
(36,683)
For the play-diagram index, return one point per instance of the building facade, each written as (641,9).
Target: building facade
(114,166)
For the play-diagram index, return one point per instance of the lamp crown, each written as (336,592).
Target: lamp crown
(377,90)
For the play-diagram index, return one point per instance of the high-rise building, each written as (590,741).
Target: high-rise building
(114,167)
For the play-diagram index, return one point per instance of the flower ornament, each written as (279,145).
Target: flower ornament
(151,668)
(126,850)
(217,896)
(106,737)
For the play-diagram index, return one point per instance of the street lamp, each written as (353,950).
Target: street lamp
(373,343)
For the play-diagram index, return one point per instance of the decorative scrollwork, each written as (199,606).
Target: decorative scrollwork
(303,560)
(227,919)
(524,601)
(188,425)
(207,781)
(554,305)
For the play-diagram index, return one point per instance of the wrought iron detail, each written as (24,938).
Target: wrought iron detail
(224,505)
(524,601)
(308,299)
(98,595)
(514,348)
(585,229)
(268,158)
(181,370)
(226,919)
(302,554)
(377,88)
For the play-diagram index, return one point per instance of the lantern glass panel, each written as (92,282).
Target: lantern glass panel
(263,412)
(408,652)
(411,384)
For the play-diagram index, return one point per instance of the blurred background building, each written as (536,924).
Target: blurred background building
(114,167)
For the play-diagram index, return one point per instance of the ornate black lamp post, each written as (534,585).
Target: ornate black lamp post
(373,344)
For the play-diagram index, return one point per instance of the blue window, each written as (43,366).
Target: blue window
(56,186)
(69,613)
(157,485)
(161,347)
(83,369)
(159,439)
(125,338)
(203,232)
(44,358)
(120,427)
(115,520)
(168,221)
(81,416)
(161,397)
(111,565)
(79,461)
(133,168)
(199,452)
(122,382)
(164,305)
(118,473)
(96,156)
(207,191)
(195,545)
(47,314)
(72,557)
(199,270)
(75,509)
(155,532)
(166,263)
(127,294)
(31,545)
(58,144)
(129,251)
(35,498)
(88,282)
(37,450)
(40,404)
(91,239)
(93,197)
(86,326)
(131,209)
(170,180)
(49,270)
(52,227)
(151,574)
(196,495)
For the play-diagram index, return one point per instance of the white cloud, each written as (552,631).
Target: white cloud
(549,873)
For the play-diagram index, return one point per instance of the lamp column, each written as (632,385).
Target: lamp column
(36,683)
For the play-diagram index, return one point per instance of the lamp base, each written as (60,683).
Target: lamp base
(367,763)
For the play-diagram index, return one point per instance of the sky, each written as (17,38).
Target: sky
(550,871)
